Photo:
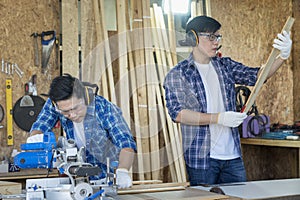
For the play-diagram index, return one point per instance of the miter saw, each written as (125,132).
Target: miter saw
(70,162)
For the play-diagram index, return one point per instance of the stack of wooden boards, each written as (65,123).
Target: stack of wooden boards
(10,188)
(129,65)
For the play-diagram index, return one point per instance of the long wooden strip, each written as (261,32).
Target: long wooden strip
(139,61)
(165,45)
(99,68)
(265,71)
(88,38)
(152,107)
(108,62)
(160,39)
(193,9)
(69,14)
(146,182)
(175,134)
(135,191)
(172,35)
(208,8)
(162,114)
(199,8)
(136,118)
(161,63)
(153,188)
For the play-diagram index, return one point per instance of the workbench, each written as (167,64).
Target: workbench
(24,174)
(271,158)
(187,194)
(282,189)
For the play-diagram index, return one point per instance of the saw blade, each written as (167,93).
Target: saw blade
(82,191)
(25,116)
(47,46)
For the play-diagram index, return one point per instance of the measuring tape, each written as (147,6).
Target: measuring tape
(9,117)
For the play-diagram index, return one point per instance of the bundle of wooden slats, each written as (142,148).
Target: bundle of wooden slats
(129,67)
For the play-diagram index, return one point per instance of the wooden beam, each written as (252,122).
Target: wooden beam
(159,95)
(172,35)
(141,89)
(162,70)
(98,69)
(87,28)
(136,118)
(193,9)
(146,182)
(70,51)
(146,190)
(151,82)
(153,188)
(208,8)
(123,82)
(10,188)
(108,61)
(199,8)
(88,38)
(265,71)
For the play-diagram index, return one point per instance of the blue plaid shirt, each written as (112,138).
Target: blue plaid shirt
(184,89)
(105,130)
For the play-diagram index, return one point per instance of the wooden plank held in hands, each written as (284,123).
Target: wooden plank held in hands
(265,71)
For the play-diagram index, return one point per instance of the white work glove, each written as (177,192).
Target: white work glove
(35,138)
(123,178)
(231,119)
(283,44)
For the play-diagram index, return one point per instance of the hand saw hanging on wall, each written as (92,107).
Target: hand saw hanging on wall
(48,39)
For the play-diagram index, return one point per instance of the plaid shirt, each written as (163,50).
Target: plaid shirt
(105,130)
(184,89)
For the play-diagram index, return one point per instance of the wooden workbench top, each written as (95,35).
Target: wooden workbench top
(270,142)
(29,173)
(187,194)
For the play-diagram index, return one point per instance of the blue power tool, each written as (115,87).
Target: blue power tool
(37,155)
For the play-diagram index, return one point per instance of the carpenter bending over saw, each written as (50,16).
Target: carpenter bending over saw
(92,121)
(200,95)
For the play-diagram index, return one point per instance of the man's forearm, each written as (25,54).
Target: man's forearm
(275,66)
(196,118)
(126,158)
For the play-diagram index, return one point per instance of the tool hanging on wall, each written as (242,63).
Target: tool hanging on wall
(30,87)
(27,108)
(25,112)
(1,115)
(9,68)
(48,39)
(9,125)
(36,48)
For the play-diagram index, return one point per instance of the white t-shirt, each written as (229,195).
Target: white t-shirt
(79,135)
(222,144)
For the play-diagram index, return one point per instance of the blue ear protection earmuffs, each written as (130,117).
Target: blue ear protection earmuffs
(192,38)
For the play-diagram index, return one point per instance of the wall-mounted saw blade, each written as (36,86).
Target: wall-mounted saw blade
(48,39)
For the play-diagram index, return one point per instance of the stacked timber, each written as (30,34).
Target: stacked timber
(129,66)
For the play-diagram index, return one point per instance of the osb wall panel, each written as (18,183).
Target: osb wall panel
(248,29)
(296,58)
(19,19)
(263,162)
